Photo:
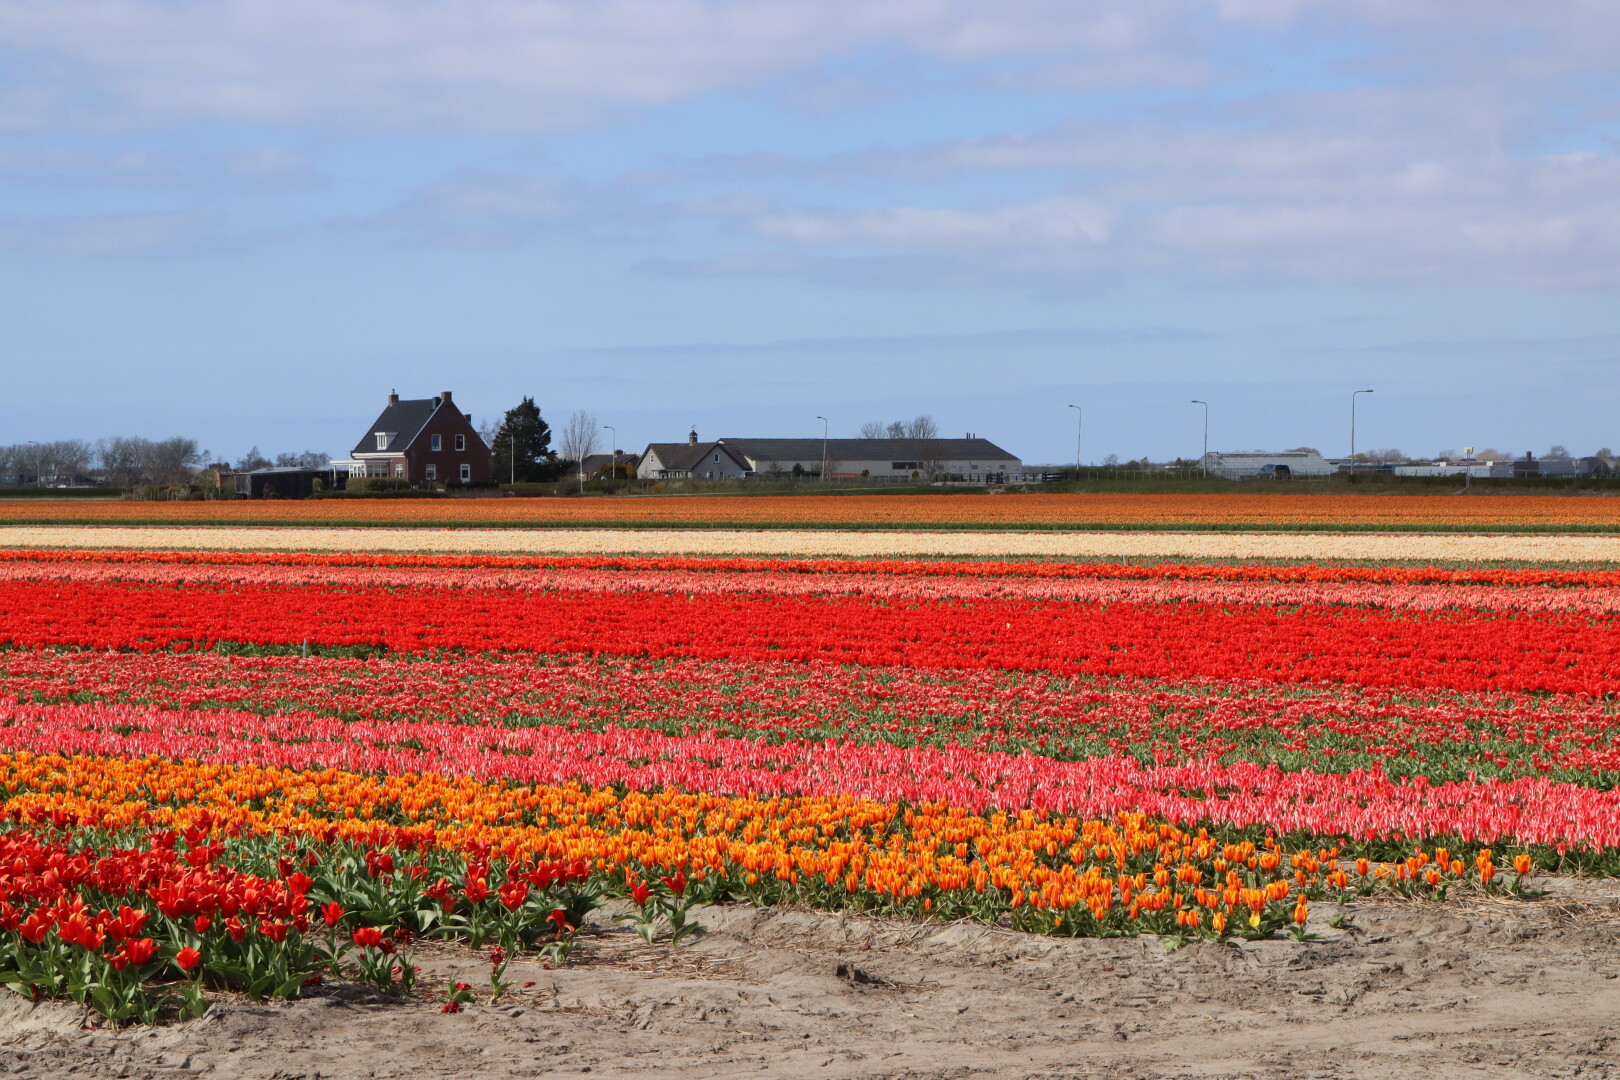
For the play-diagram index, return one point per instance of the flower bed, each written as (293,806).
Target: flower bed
(252,771)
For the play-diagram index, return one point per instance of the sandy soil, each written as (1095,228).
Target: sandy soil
(1466,989)
(810,543)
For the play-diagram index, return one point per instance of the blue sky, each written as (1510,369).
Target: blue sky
(248,220)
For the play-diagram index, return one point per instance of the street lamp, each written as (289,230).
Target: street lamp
(1205,404)
(823,420)
(614,475)
(1353,419)
(1079,419)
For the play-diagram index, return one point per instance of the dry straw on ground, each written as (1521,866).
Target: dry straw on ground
(1078,545)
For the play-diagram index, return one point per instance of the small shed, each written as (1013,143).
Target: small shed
(281,483)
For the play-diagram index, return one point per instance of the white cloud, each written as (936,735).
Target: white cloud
(109,235)
(488,65)
(1047,224)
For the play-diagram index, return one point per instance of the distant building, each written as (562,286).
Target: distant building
(602,464)
(968,458)
(420,441)
(283,482)
(1257,465)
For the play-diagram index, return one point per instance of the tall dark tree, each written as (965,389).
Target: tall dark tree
(522,446)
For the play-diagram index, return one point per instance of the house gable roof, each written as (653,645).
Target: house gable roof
(684,457)
(405,419)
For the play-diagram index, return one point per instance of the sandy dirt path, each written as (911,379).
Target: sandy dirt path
(805,543)
(1470,989)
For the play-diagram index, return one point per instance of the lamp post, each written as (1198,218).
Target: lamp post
(1353,419)
(823,420)
(614,475)
(1079,419)
(1205,458)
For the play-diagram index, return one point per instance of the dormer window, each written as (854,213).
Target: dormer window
(382,440)
(438,442)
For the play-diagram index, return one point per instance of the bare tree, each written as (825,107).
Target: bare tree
(1558,452)
(896,429)
(872,429)
(309,459)
(56,462)
(921,427)
(580,436)
(121,459)
(171,461)
(72,457)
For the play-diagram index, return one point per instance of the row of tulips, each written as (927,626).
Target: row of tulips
(139,920)
(1441,735)
(1562,652)
(135,885)
(1288,573)
(1023,510)
(1365,806)
(1102,589)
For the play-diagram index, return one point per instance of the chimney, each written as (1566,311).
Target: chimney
(444,397)
(393,397)
(691,440)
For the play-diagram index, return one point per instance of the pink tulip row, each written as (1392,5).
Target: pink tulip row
(985,710)
(1360,805)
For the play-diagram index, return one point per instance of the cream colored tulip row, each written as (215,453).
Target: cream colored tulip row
(808,544)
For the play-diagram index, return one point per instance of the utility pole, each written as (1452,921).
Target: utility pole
(823,420)
(1079,419)
(1205,459)
(1353,420)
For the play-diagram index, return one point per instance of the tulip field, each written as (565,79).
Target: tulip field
(1285,510)
(259,771)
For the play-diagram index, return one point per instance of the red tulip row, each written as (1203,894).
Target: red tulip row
(138,923)
(1454,650)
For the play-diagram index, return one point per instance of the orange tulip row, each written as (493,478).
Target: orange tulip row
(1043,872)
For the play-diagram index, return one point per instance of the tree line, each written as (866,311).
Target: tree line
(128,461)
(122,461)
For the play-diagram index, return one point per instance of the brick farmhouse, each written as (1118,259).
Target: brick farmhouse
(420,441)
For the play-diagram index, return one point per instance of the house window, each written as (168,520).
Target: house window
(382,440)
(461,443)
(438,442)
(717,458)
(466,474)
(432,473)
(399,468)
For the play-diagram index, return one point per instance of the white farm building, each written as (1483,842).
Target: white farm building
(1257,465)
